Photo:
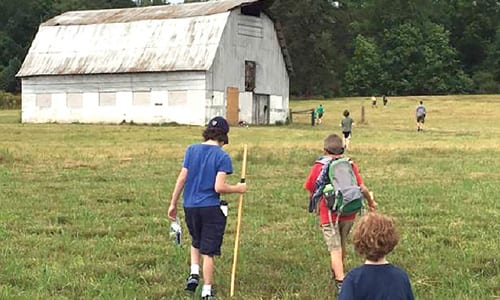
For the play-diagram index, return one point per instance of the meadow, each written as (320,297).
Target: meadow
(83,207)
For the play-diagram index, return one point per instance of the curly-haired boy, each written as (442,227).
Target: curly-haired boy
(374,237)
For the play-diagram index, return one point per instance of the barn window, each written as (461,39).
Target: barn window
(43,100)
(176,98)
(74,100)
(107,99)
(141,98)
(252,10)
(250,67)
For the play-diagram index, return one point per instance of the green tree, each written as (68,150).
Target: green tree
(420,60)
(487,78)
(19,21)
(317,37)
(8,81)
(365,69)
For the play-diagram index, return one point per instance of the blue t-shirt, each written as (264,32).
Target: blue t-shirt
(376,282)
(203,162)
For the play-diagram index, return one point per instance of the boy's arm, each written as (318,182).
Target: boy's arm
(222,187)
(366,192)
(364,189)
(179,186)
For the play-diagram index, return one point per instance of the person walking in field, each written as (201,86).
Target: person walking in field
(374,237)
(335,228)
(346,125)
(319,114)
(374,101)
(420,113)
(384,100)
(203,179)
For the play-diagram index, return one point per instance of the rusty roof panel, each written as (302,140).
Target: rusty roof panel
(144,39)
(141,46)
(146,13)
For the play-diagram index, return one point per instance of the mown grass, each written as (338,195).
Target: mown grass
(84,206)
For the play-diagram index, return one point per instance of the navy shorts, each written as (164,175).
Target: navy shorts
(206,226)
(347,134)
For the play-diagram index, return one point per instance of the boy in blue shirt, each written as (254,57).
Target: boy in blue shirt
(203,179)
(374,237)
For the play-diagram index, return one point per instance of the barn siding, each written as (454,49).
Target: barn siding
(248,38)
(173,97)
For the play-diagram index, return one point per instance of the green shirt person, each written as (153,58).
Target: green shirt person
(319,113)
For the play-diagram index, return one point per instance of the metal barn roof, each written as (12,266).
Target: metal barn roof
(146,39)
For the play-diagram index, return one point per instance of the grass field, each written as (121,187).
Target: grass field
(83,207)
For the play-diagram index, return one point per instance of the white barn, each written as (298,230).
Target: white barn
(180,63)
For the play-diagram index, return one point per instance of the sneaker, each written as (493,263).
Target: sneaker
(192,282)
(338,285)
(209,297)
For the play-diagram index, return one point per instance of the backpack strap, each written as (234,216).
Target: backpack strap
(320,183)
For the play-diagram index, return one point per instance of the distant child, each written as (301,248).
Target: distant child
(374,237)
(384,100)
(335,235)
(319,113)
(346,125)
(420,113)
(374,101)
(203,179)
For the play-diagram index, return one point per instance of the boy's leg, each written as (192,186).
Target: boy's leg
(344,228)
(208,275)
(195,256)
(332,238)
(192,222)
(336,264)
(208,269)
(194,275)
(210,246)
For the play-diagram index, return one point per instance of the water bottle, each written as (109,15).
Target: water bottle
(176,231)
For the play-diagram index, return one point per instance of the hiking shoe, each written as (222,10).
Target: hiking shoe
(192,282)
(338,285)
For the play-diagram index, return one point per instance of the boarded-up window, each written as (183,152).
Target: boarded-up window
(74,100)
(251,10)
(249,76)
(141,98)
(107,99)
(43,100)
(177,98)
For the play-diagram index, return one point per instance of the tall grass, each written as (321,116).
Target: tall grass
(84,206)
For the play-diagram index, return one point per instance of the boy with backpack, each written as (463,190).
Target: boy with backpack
(336,192)
(375,236)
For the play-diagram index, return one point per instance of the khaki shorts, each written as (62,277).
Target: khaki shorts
(336,237)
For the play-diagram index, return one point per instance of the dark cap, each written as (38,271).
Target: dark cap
(221,123)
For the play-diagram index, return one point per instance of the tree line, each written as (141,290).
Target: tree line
(348,48)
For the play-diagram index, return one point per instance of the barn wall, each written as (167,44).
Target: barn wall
(248,38)
(139,98)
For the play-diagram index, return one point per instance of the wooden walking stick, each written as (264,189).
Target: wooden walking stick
(238,222)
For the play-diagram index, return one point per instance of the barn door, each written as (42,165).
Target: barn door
(232,109)
(260,109)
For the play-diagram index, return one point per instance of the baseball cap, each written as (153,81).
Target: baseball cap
(221,123)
